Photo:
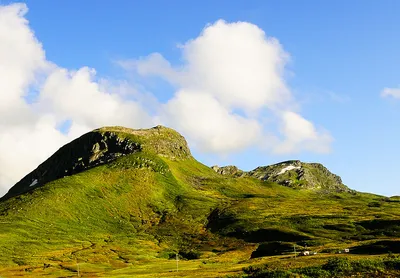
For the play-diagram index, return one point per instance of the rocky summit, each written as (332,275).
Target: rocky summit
(292,173)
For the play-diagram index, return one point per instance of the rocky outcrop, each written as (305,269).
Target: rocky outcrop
(293,173)
(159,140)
(228,170)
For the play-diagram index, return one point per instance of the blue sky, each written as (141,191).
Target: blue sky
(343,54)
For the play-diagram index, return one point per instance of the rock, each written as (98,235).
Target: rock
(228,170)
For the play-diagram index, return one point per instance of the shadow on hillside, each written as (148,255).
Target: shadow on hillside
(378,247)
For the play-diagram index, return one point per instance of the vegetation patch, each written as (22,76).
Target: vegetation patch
(334,267)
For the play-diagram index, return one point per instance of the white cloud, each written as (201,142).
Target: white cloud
(154,64)
(22,58)
(391,92)
(300,134)
(238,64)
(74,95)
(233,73)
(209,124)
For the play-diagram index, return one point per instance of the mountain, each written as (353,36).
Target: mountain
(100,147)
(293,173)
(118,202)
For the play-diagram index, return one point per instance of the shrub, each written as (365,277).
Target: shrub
(392,263)
(273,274)
(264,272)
(253,269)
(338,266)
(314,271)
(368,266)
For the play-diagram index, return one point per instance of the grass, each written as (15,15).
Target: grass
(131,216)
(332,267)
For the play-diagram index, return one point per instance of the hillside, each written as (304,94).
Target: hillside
(119,202)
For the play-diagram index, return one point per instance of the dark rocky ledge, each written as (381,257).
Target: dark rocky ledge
(88,151)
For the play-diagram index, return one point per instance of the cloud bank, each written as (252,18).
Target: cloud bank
(230,93)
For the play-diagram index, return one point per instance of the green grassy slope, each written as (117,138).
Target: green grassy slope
(132,215)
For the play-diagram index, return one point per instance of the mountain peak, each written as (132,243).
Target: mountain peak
(101,146)
(160,140)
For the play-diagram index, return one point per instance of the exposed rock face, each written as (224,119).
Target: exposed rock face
(99,147)
(293,173)
(228,170)
(160,140)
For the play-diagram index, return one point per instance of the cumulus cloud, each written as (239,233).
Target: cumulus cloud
(22,59)
(238,64)
(391,92)
(74,95)
(301,134)
(233,73)
(231,77)
(214,127)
